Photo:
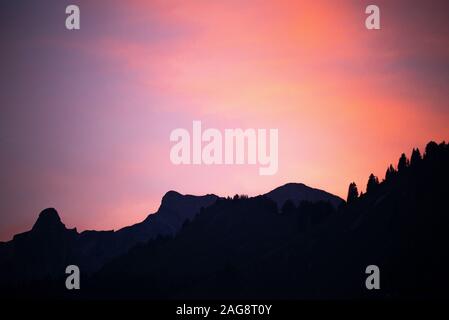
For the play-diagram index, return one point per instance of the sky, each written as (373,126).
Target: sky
(86,115)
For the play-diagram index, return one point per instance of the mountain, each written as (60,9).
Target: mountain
(244,248)
(45,250)
(175,209)
(48,222)
(317,247)
(39,252)
(298,192)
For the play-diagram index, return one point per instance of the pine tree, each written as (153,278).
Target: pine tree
(391,172)
(431,150)
(353,192)
(415,158)
(403,163)
(373,182)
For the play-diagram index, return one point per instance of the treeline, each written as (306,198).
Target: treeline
(435,154)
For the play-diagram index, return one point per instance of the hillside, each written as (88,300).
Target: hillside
(245,248)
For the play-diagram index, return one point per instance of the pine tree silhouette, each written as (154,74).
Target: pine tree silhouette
(431,150)
(353,192)
(415,158)
(403,163)
(373,182)
(391,172)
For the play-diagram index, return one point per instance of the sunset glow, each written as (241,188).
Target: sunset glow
(87,115)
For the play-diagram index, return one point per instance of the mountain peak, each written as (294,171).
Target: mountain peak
(48,220)
(175,200)
(293,185)
(171,195)
(298,192)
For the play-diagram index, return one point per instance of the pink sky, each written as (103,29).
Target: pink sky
(90,133)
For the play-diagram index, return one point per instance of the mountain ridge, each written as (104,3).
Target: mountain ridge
(243,247)
(52,214)
(287,191)
(91,249)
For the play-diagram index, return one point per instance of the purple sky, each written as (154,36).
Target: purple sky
(86,115)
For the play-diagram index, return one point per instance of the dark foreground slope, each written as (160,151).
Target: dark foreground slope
(42,254)
(250,248)
(34,260)
(245,248)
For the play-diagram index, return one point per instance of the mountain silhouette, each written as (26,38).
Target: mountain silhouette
(39,253)
(45,250)
(174,210)
(48,222)
(294,242)
(49,246)
(298,192)
(246,248)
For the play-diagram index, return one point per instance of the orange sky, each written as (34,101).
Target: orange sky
(347,101)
